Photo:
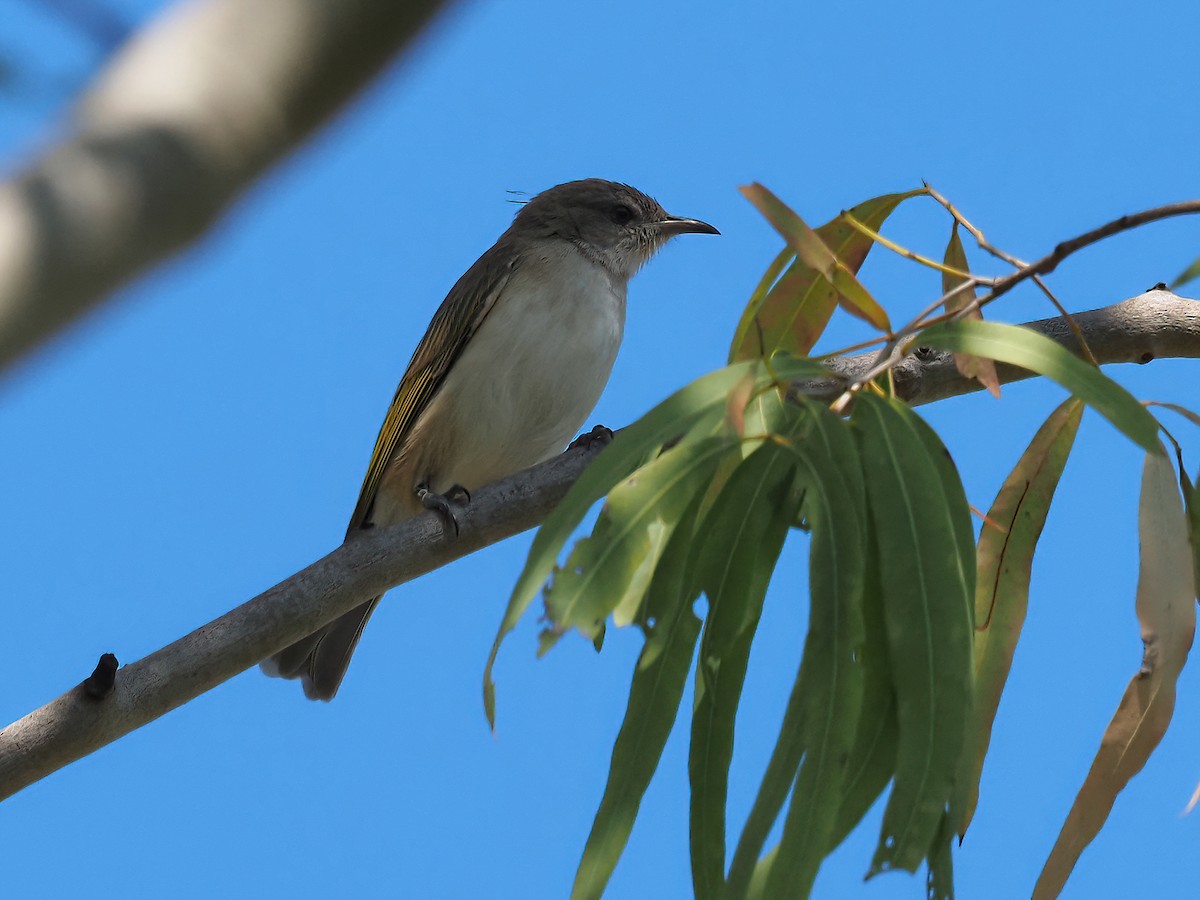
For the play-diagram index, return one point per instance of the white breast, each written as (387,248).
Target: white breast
(532,373)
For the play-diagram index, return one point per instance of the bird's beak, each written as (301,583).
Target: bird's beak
(673,225)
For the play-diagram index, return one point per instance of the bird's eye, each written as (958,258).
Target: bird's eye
(622,214)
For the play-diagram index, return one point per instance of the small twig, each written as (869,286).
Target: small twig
(1013,261)
(878,238)
(888,356)
(983,242)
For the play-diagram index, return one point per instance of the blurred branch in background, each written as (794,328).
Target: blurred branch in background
(189,112)
(1156,324)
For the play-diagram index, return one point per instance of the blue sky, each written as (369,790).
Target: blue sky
(204,436)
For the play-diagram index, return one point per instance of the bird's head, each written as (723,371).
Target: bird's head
(614,224)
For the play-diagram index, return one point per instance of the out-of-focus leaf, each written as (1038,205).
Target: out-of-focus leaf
(919,523)
(1188,274)
(658,683)
(1023,347)
(762,873)
(981,369)
(1167,614)
(813,252)
(831,672)
(639,515)
(1006,547)
(743,535)
(795,311)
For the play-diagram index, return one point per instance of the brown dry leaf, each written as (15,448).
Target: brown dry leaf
(981,369)
(1167,613)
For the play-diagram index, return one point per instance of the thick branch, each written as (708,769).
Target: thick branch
(190,111)
(1155,324)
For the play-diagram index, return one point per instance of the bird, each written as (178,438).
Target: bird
(509,370)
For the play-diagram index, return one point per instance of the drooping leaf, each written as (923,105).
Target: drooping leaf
(793,313)
(699,406)
(1167,614)
(827,681)
(814,253)
(873,756)
(1191,415)
(654,697)
(636,520)
(831,672)
(939,882)
(1006,547)
(744,533)
(981,369)
(919,524)
(1023,347)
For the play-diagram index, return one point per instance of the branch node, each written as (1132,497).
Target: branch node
(100,683)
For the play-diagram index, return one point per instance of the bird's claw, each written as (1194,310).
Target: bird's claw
(600,435)
(442,503)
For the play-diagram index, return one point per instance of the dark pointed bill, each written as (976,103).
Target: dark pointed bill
(672,225)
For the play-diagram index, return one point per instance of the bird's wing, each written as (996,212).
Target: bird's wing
(459,317)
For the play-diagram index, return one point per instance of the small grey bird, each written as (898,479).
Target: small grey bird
(508,371)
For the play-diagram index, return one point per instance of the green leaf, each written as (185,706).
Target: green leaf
(939,883)
(654,697)
(1028,349)
(1188,274)
(697,407)
(639,515)
(832,672)
(814,253)
(819,683)
(919,521)
(743,536)
(873,755)
(792,313)
(1005,560)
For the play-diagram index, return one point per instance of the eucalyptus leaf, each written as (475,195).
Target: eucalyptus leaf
(1020,346)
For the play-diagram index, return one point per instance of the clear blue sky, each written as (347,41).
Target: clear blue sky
(205,436)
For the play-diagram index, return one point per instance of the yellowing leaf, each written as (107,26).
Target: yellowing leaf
(980,368)
(792,313)
(813,252)
(1005,560)
(1167,613)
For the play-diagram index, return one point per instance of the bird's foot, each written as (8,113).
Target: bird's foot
(599,436)
(443,503)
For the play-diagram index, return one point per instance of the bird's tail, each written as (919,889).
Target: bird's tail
(321,659)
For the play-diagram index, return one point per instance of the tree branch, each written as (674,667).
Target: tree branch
(1156,324)
(195,107)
